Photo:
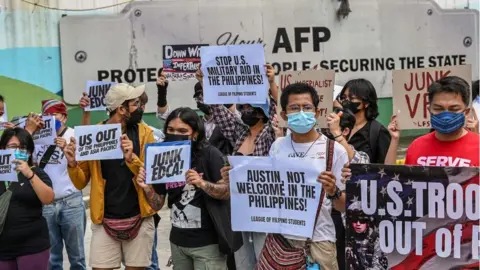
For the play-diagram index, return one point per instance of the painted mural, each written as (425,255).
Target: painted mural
(30,67)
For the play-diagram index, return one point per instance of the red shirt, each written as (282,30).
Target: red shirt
(427,150)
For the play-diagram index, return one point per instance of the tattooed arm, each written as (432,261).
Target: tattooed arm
(219,190)
(155,200)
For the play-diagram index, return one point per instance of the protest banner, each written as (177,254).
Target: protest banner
(180,62)
(98,142)
(410,93)
(234,74)
(96,93)
(167,162)
(401,217)
(7,167)
(274,195)
(322,80)
(46,135)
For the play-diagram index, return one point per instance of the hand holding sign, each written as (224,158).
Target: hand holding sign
(84,101)
(225,171)
(193,178)
(328,181)
(127,148)
(60,142)
(22,167)
(34,123)
(140,179)
(393,127)
(69,152)
(96,94)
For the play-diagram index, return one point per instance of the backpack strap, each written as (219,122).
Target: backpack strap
(48,154)
(374,131)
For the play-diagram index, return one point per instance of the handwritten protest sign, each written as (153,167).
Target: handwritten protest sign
(234,74)
(322,80)
(46,135)
(180,62)
(7,167)
(413,217)
(410,92)
(96,93)
(98,142)
(274,195)
(167,162)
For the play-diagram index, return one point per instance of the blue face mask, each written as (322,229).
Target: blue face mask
(58,125)
(21,155)
(447,122)
(301,122)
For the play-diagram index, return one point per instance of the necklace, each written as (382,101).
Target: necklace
(305,154)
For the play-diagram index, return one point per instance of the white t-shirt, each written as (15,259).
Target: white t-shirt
(57,167)
(282,147)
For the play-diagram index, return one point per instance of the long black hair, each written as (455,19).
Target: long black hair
(191,118)
(25,139)
(364,90)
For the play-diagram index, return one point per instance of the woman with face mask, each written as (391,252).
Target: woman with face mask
(199,206)
(368,135)
(24,239)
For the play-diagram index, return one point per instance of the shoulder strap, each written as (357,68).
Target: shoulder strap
(48,154)
(329,161)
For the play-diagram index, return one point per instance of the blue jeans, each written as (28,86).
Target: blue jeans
(154,265)
(66,221)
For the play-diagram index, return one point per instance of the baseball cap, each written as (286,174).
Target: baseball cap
(121,92)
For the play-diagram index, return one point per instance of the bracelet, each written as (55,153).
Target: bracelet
(31,177)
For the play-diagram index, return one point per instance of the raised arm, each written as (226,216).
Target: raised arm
(84,102)
(391,157)
(79,172)
(162,106)
(156,201)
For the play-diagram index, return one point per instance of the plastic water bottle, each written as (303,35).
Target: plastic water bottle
(314,266)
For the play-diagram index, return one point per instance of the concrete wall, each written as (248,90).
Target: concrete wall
(30,58)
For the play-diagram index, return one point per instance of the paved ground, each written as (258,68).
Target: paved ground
(163,246)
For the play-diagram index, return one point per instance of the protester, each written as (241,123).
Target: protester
(368,135)
(201,234)
(476,98)
(158,137)
(24,240)
(300,108)
(66,216)
(252,135)
(125,204)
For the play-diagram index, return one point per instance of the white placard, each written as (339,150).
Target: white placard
(98,142)
(7,167)
(96,93)
(167,162)
(46,135)
(234,74)
(275,195)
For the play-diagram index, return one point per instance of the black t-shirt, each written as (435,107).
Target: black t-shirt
(25,230)
(121,197)
(191,224)
(361,142)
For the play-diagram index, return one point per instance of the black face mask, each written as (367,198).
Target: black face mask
(352,106)
(203,108)
(250,119)
(175,137)
(135,117)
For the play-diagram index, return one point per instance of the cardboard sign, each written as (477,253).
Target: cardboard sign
(98,142)
(96,93)
(167,162)
(274,195)
(322,80)
(46,135)
(7,167)
(410,93)
(234,74)
(414,217)
(180,62)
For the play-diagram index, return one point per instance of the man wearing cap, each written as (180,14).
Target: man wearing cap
(122,218)
(65,217)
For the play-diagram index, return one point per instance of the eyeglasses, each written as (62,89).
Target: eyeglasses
(362,220)
(297,108)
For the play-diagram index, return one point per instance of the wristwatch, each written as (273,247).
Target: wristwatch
(335,196)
